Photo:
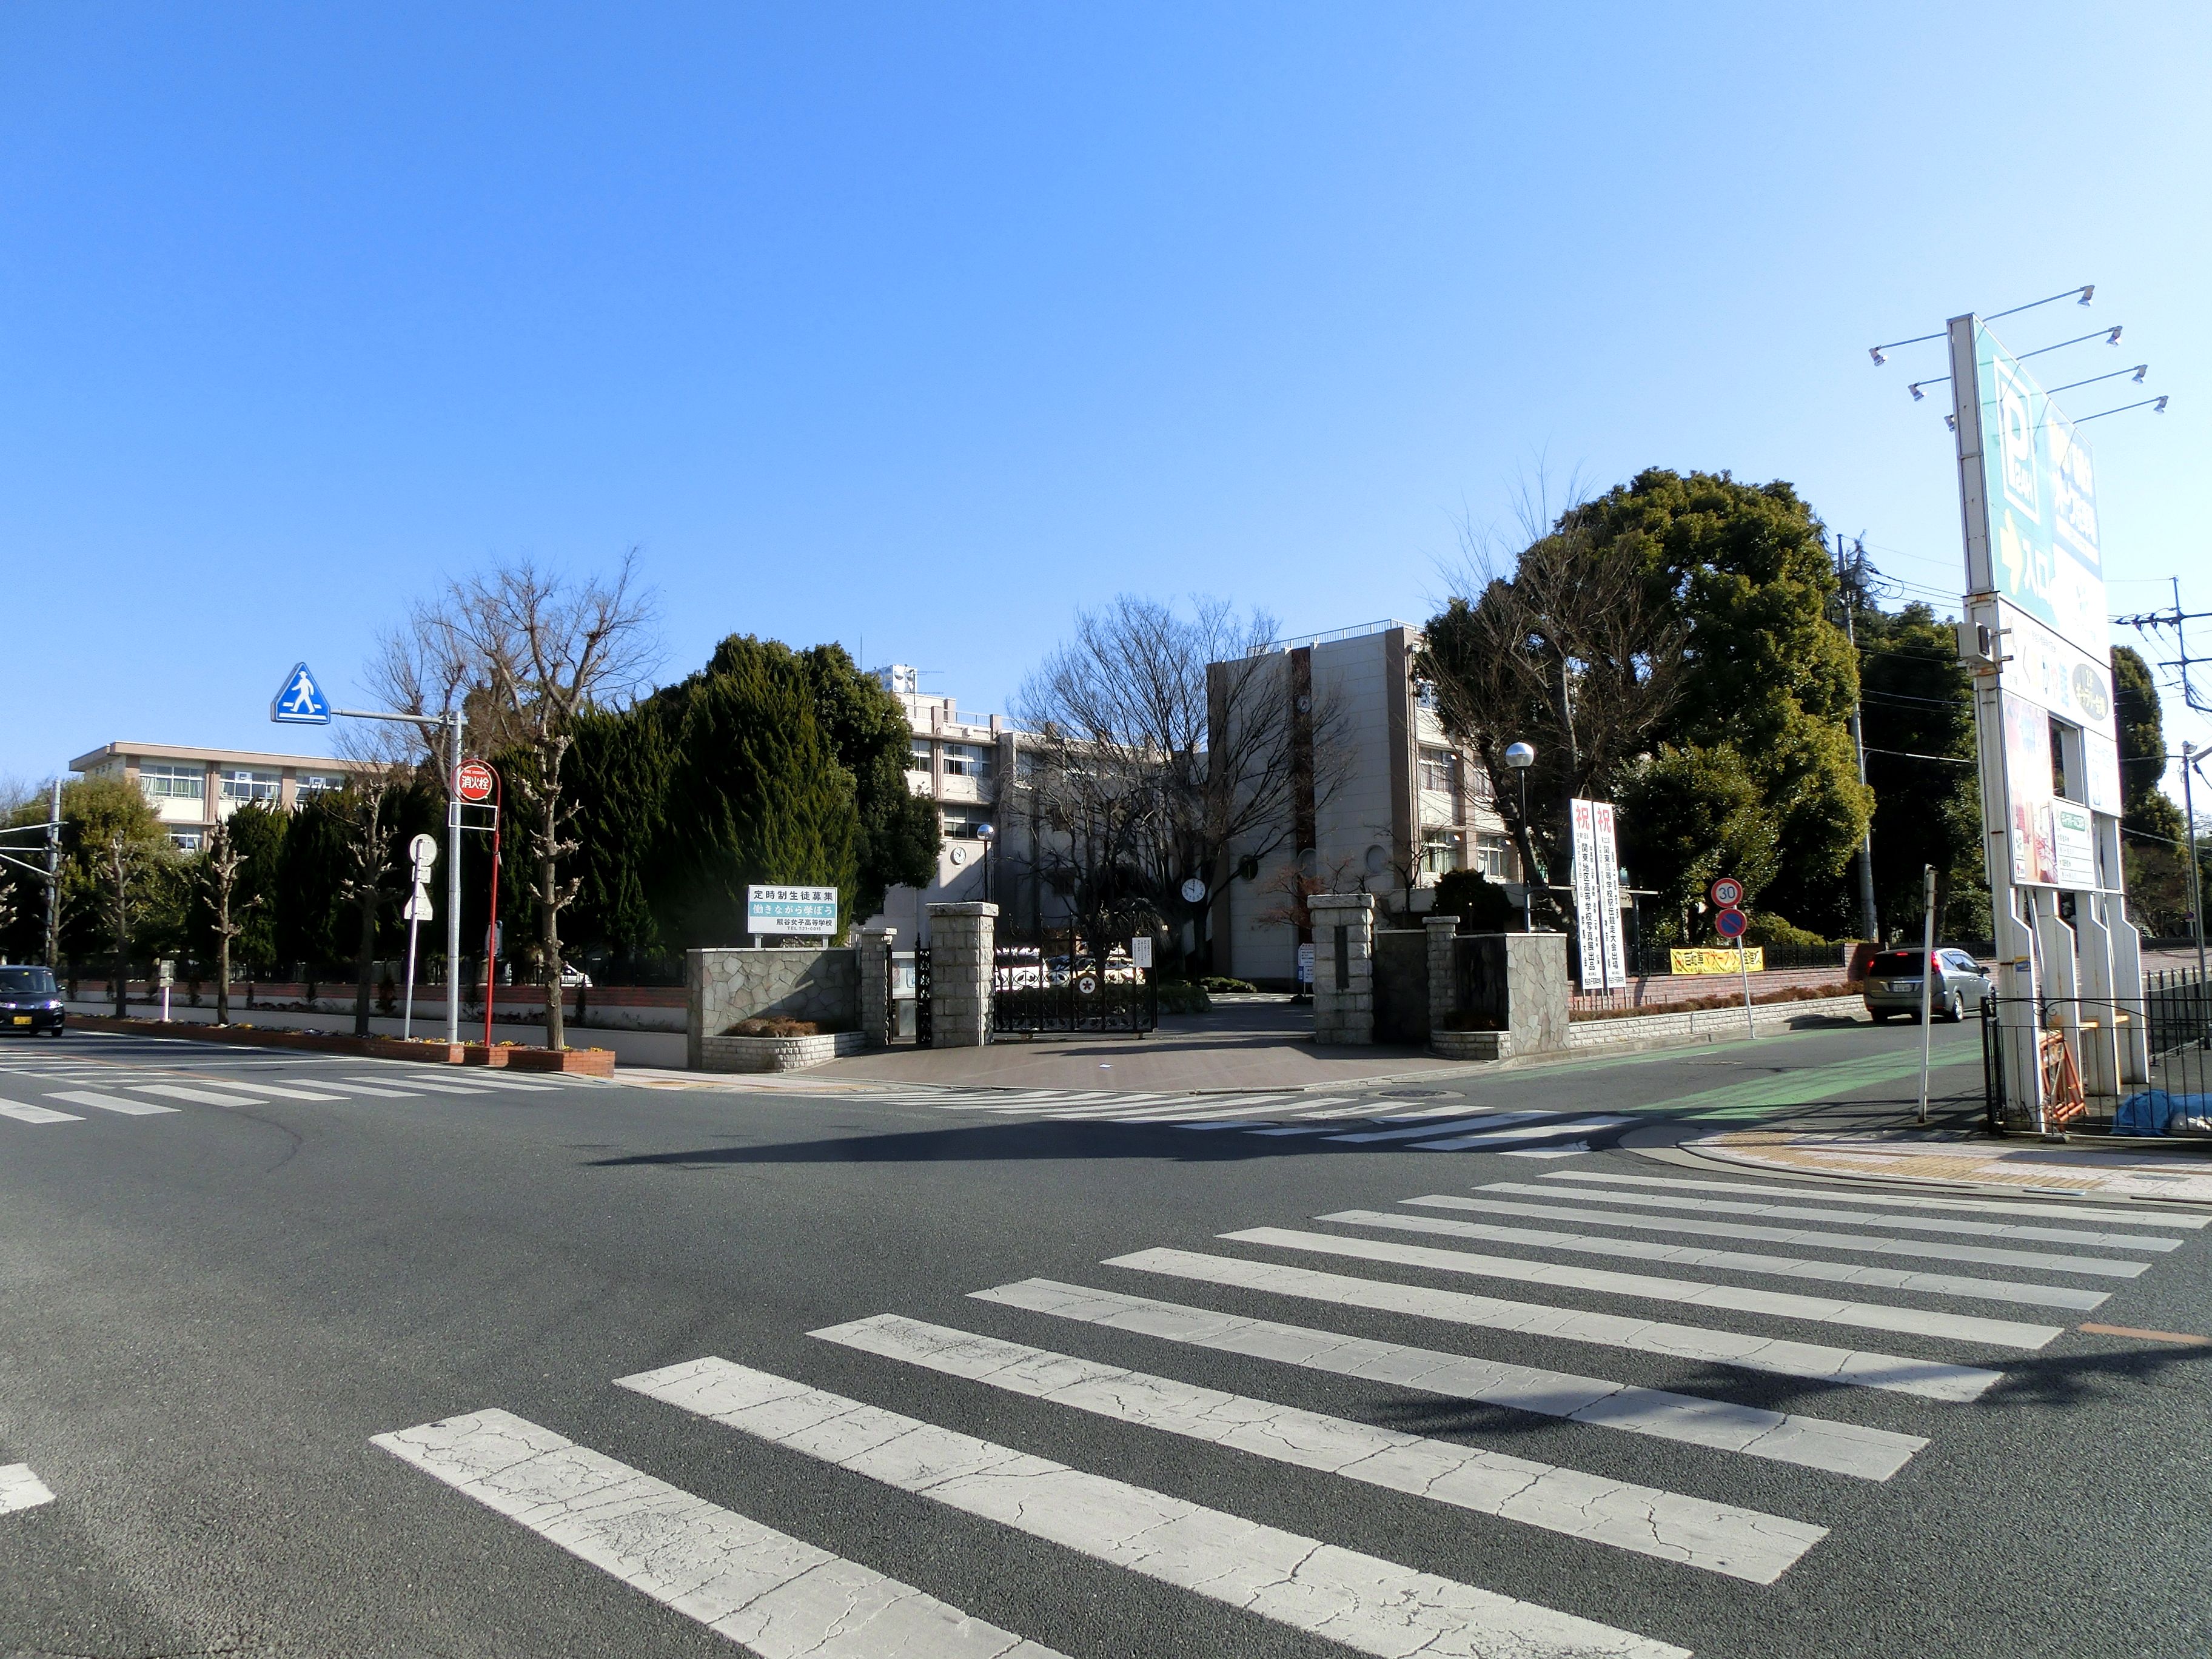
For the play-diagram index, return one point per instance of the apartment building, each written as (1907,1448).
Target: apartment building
(1383,800)
(956,759)
(192,789)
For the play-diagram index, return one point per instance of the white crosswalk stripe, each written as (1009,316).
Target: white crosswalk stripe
(2060,1209)
(769,1593)
(1487,1120)
(436,1085)
(1494,1139)
(1812,1360)
(1840,1217)
(1692,1255)
(285,1091)
(199,1097)
(1716,1537)
(20,1489)
(1782,1305)
(109,1102)
(1924,1249)
(1572,1149)
(1361,1601)
(27,1113)
(373,1090)
(1813,1443)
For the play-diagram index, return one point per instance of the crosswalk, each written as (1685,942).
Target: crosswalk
(60,1089)
(1328,1119)
(1946,1338)
(20,1489)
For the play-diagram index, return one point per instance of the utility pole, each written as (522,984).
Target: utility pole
(1869,923)
(54,879)
(2189,758)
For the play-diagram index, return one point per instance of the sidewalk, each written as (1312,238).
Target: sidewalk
(1256,1044)
(657,1048)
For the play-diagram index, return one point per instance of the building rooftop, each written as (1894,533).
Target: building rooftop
(186,751)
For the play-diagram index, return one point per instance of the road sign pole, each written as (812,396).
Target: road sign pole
(407,1003)
(1743,967)
(1927,980)
(454,877)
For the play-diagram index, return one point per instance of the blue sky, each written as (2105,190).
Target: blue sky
(919,327)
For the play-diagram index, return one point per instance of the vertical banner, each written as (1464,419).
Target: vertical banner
(1608,887)
(1597,897)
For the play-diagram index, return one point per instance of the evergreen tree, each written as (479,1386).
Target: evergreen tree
(1689,817)
(866,729)
(1919,700)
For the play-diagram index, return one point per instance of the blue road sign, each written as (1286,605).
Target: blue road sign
(301,701)
(1731,924)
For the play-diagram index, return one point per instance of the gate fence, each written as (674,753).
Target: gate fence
(1062,982)
(2078,1050)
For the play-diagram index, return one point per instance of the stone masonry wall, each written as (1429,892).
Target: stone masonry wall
(724,987)
(1344,1012)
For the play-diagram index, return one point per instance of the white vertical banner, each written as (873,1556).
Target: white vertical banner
(1589,903)
(1608,889)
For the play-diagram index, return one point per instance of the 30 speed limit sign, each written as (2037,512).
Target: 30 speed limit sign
(1728,892)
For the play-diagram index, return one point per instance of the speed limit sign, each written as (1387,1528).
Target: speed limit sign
(1728,892)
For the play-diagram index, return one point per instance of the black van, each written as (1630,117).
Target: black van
(30,1001)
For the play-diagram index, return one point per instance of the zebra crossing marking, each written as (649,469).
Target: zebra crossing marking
(235,1096)
(1581,1126)
(375,1090)
(1783,1267)
(282,1092)
(1720,1538)
(21,1490)
(1834,1448)
(23,1114)
(1858,1244)
(436,1085)
(1492,1120)
(1361,1601)
(1572,1149)
(1813,1361)
(2066,1210)
(109,1102)
(1840,1217)
(1737,1299)
(770,1592)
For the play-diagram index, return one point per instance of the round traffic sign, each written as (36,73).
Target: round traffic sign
(1730,924)
(1728,892)
(423,851)
(476,782)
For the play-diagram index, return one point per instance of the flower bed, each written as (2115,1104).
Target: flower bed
(777,1053)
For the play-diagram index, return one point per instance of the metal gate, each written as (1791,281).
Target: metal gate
(925,1031)
(2101,1066)
(1064,982)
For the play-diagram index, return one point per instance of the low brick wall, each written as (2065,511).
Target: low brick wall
(1706,1022)
(1655,991)
(769,1054)
(1471,1045)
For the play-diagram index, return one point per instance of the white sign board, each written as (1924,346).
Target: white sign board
(1140,951)
(1305,963)
(808,911)
(1597,897)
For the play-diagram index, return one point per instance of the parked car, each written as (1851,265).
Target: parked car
(30,1002)
(571,976)
(1892,985)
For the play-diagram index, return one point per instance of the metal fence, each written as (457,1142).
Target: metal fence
(2100,1065)
(1065,983)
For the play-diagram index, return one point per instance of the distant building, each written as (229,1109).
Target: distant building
(958,761)
(192,789)
(1408,803)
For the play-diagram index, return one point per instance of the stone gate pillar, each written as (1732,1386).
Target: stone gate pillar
(878,941)
(961,940)
(1344,967)
(1443,968)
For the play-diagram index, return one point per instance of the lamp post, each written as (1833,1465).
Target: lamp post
(986,834)
(1520,757)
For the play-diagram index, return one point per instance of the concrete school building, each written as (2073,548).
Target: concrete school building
(963,761)
(1393,806)
(192,789)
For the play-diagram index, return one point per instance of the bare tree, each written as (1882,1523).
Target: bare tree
(219,871)
(533,649)
(366,798)
(1165,740)
(126,865)
(1575,650)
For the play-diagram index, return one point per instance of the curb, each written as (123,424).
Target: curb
(581,1062)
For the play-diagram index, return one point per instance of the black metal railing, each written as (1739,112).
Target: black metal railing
(1064,982)
(2115,1065)
(925,1023)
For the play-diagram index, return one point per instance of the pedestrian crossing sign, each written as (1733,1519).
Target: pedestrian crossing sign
(300,701)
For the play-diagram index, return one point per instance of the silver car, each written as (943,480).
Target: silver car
(1892,985)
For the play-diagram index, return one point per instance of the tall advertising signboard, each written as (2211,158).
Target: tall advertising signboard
(1597,897)
(2037,640)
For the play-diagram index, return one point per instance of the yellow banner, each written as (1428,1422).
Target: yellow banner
(1716,962)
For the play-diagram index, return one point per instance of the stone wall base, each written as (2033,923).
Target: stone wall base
(774,1053)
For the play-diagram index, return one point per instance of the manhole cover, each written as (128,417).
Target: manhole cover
(1416,1094)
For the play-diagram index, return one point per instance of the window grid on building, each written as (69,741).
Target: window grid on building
(1442,851)
(184,841)
(1492,856)
(244,785)
(316,783)
(966,760)
(1439,770)
(162,782)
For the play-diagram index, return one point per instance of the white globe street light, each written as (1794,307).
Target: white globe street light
(1520,757)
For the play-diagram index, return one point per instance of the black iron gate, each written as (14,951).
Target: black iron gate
(1065,983)
(925,1031)
(2079,1047)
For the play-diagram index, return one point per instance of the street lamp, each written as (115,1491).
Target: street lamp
(986,834)
(1520,757)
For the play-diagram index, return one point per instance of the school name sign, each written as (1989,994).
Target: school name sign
(808,910)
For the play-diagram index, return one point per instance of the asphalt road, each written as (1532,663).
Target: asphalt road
(210,1315)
